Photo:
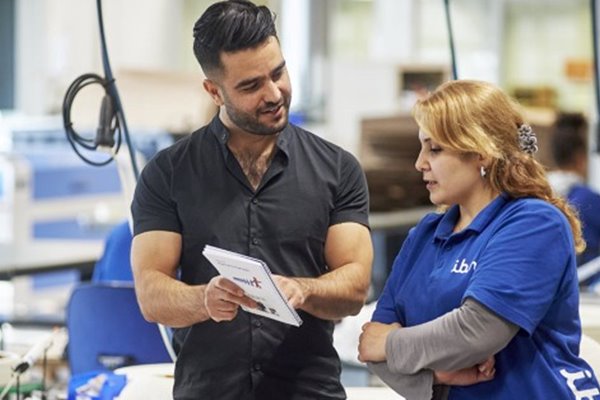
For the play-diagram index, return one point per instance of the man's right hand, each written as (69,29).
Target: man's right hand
(222,299)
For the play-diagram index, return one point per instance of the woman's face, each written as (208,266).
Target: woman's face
(451,177)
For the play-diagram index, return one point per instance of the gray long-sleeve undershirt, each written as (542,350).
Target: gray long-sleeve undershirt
(459,339)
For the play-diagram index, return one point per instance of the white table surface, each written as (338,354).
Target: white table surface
(48,253)
(156,381)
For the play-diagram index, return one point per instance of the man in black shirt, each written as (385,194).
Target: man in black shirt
(251,183)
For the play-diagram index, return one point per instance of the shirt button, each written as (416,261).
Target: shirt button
(257,323)
(255,241)
(255,201)
(256,367)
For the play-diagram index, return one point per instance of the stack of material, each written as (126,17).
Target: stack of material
(389,149)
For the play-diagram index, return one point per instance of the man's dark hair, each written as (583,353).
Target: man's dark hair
(569,138)
(229,26)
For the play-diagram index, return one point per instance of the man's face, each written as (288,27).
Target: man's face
(254,88)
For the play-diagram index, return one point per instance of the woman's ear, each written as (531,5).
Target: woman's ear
(213,91)
(484,161)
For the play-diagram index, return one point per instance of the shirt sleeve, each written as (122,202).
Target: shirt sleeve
(459,339)
(352,197)
(415,386)
(385,312)
(152,207)
(519,274)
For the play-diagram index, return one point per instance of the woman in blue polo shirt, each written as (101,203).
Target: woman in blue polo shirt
(482,301)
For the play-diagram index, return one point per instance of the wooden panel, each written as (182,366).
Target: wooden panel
(389,149)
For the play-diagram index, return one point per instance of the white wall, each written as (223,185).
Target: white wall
(58,40)
(358,90)
(363,79)
(540,38)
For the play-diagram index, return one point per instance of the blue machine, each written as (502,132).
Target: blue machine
(47,192)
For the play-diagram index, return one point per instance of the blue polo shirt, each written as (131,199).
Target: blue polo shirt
(587,203)
(516,258)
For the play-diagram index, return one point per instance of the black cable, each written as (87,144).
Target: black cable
(596,125)
(76,140)
(451,39)
(113,92)
(112,116)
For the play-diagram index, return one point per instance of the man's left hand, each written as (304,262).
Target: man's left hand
(293,289)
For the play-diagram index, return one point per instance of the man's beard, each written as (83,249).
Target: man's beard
(251,122)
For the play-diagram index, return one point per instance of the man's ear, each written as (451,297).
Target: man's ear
(214,91)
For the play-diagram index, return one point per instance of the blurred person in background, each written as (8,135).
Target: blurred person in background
(570,151)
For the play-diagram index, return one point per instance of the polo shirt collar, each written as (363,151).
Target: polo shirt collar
(485,216)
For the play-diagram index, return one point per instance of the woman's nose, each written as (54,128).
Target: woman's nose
(420,162)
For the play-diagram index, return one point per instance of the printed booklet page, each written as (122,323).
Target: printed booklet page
(254,277)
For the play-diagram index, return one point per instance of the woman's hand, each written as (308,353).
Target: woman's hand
(371,346)
(482,372)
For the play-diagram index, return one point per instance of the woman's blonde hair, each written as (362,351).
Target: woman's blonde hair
(477,117)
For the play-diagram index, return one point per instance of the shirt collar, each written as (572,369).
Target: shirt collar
(284,139)
(485,216)
(222,134)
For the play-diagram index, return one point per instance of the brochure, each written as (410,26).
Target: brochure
(254,277)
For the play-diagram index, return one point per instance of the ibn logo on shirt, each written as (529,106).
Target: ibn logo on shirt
(463,266)
(585,394)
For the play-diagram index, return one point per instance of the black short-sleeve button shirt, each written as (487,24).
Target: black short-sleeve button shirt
(197,188)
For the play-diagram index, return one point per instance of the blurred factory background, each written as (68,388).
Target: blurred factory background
(356,68)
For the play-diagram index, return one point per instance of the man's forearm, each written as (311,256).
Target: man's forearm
(336,294)
(170,302)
